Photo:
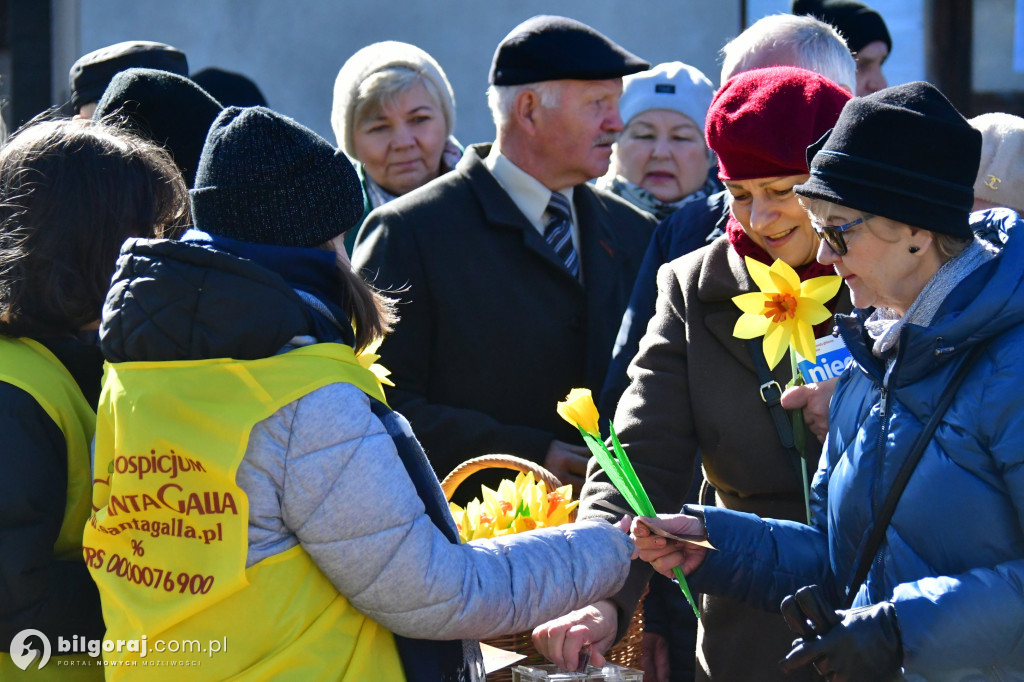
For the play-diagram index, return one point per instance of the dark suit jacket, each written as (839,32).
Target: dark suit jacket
(494,331)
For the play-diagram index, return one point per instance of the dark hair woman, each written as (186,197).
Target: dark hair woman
(70,193)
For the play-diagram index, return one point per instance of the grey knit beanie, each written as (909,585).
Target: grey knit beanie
(674,86)
(266,179)
(388,54)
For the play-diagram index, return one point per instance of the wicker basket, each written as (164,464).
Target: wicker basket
(625,653)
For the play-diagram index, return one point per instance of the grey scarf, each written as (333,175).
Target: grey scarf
(644,200)
(885,324)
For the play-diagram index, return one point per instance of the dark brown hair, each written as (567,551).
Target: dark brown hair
(71,192)
(371,313)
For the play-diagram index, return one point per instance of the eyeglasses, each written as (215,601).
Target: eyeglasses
(833,234)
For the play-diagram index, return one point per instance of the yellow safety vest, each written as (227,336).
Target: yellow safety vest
(168,541)
(30,366)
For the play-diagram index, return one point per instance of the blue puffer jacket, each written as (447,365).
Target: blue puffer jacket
(953,557)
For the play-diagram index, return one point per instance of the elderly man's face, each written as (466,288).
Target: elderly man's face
(577,134)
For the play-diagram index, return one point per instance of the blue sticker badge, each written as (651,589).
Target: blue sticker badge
(833,358)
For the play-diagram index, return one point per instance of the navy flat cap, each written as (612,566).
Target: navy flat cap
(548,48)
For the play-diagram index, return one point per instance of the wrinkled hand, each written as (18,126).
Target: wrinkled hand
(561,640)
(568,463)
(844,646)
(654,658)
(813,399)
(665,554)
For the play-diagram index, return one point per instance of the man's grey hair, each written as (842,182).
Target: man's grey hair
(502,98)
(790,40)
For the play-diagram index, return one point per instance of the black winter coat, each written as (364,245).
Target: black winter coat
(57,598)
(494,330)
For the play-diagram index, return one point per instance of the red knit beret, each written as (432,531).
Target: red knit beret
(761,122)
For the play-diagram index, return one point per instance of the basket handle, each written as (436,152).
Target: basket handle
(471,466)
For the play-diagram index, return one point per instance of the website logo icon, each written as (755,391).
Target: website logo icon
(27,646)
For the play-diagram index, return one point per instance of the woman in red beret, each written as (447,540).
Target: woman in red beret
(694,386)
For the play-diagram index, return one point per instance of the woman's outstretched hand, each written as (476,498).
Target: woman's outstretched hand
(664,554)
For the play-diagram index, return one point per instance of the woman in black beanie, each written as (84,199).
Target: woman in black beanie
(940,594)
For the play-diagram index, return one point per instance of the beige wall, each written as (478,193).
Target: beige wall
(294,48)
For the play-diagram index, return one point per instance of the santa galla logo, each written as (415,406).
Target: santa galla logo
(32,648)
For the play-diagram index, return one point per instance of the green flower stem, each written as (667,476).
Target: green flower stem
(623,476)
(800,434)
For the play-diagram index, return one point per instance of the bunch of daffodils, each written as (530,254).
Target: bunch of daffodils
(523,504)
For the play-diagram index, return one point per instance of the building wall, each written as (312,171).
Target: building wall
(293,50)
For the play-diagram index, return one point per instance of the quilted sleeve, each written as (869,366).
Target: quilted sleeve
(348,499)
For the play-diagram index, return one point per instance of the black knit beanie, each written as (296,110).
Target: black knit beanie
(167,108)
(230,88)
(903,153)
(264,178)
(858,23)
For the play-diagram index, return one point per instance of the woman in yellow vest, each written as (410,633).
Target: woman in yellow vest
(255,494)
(70,193)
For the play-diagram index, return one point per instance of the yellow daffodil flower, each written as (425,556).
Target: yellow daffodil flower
(785,309)
(515,506)
(579,410)
(368,359)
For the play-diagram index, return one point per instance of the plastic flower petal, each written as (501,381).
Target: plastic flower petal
(368,359)
(785,309)
(579,410)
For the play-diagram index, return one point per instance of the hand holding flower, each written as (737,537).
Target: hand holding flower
(579,409)
(813,400)
(784,312)
(665,554)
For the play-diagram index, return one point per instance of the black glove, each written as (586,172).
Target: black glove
(861,644)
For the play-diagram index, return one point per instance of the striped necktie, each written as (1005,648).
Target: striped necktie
(558,232)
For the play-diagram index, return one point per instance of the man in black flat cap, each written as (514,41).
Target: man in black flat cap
(91,73)
(513,271)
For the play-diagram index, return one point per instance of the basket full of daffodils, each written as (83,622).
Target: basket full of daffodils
(535,499)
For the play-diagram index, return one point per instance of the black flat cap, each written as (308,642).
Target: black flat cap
(548,48)
(90,75)
(167,108)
